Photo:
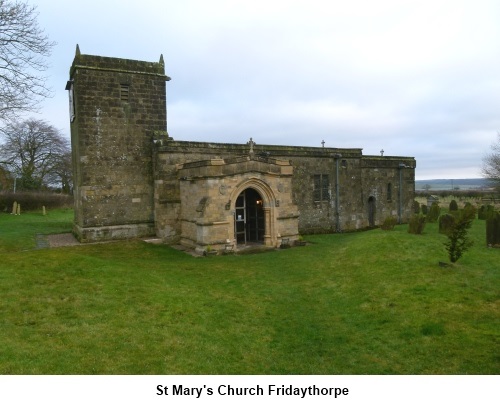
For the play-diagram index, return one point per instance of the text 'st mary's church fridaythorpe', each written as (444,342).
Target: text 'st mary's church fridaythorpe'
(132,180)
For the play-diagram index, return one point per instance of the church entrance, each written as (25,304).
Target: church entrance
(249,221)
(371,211)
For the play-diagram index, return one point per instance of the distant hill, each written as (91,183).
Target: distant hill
(452,184)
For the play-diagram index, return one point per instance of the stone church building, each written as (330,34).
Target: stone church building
(132,180)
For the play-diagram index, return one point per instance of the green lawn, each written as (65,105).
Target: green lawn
(361,303)
(18,232)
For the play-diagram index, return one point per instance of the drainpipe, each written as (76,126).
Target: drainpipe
(400,210)
(337,157)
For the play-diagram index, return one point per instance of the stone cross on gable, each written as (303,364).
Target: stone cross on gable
(323,143)
(251,143)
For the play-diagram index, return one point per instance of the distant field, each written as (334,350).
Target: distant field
(452,184)
(444,202)
(373,302)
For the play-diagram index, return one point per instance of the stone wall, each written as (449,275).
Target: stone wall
(359,178)
(130,176)
(210,188)
(391,181)
(118,105)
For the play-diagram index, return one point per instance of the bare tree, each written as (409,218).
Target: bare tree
(35,152)
(491,163)
(63,172)
(24,49)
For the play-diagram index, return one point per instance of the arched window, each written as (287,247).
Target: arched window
(389,191)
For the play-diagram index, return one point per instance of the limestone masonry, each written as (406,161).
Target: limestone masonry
(132,180)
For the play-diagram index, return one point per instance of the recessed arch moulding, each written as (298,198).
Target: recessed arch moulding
(208,194)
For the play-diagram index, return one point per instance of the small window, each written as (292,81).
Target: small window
(389,192)
(321,187)
(344,164)
(124,92)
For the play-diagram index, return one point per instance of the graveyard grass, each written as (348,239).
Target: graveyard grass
(371,302)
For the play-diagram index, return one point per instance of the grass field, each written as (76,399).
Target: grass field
(371,302)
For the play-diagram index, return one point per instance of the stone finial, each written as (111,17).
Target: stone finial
(77,52)
(323,143)
(162,62)
(381,152)
(251,143)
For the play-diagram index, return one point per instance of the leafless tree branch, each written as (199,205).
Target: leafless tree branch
(24,49)
(491,162)
(36,153)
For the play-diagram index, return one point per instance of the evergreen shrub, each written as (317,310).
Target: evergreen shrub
(416,207)
(446,223)
(433,214)
(470,211)
(389,224)
(485,211)
(458,239)
(417,224)
(493,230)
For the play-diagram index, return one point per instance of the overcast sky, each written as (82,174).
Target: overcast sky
(414,78)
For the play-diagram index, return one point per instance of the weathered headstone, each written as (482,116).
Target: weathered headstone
(43,210)
(432,199)
(14,208)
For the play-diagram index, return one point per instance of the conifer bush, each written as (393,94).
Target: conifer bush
(433,214)
(493,230)
(453,206)
(471,211)
(485,211)
(389,224)
(416,207)
(416,224)
(468,204)
(458,239)
(446,223)
(424,209)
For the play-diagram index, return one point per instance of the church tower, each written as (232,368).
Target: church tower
(117,107)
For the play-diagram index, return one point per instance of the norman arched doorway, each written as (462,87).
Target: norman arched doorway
(371,211)
(249,218)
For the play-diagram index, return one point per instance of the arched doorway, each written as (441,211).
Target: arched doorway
(371,211)
(249,220)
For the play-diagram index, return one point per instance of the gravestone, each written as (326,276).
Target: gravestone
(432,199)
